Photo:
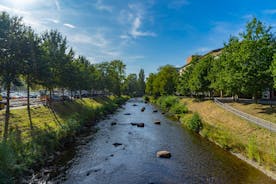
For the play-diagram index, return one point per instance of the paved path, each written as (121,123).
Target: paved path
(253,119)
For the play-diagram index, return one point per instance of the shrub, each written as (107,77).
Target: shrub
(178,108)
(167,102)
(7,163)
(195,123)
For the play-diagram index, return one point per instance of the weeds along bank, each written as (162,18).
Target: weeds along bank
(230,132)
(54,128)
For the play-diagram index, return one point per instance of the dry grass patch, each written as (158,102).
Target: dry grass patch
(262,111)
(235,133)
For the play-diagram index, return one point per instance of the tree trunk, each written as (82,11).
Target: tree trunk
(7,114)
(28,104)
(50,98)
(255,98)
(221,93)
(80,94)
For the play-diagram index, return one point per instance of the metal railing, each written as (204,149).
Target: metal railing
(258,121)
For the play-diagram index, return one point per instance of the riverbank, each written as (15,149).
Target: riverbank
(54,128)
(249,142)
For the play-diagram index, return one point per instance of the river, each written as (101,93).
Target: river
(94,158)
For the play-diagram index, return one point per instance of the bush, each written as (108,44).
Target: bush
(166,102)
(7,163)
(178,108)
(195,123)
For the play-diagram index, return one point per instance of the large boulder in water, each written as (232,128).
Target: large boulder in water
(163,154)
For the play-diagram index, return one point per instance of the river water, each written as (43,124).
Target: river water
(194,160)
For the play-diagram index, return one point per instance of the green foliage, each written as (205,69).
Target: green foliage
(178,108)
(166,102)
(244,66)
(273,70)
(252,150)
(195,123)
(162,83)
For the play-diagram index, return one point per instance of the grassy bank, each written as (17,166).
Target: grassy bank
(53,129)
(259,110)
(225,129)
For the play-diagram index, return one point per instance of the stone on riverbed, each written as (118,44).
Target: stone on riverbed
(143,109)
(117,144)
(127,114)
(113,123)
(157,122)
(138,124)
(155,111)
(163,154)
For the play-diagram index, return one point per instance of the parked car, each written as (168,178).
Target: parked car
(65,98)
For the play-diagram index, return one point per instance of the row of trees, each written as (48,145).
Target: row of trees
(46,61)
(244,67)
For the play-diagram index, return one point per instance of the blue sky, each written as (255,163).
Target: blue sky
(146,33)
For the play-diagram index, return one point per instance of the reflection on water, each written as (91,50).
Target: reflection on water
(194,160)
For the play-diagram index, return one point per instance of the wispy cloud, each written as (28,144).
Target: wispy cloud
(134,17)
(100,6)
(135,32)
(69,25)
(97,40)
(53,20)
(270,11)
(57,5)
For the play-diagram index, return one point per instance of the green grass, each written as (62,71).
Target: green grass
(52,129)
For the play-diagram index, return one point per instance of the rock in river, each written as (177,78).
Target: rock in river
(127,114)
(143,109)
(163,154)
(117,144)
(157,122)
(138,124)
(155,111)
(113,123)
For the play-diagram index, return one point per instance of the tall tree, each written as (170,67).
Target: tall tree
(54,47)
(130,86)
(11,36)
(31,64)
(141,83)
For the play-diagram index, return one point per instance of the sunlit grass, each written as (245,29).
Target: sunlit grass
(234,133)
(262,111)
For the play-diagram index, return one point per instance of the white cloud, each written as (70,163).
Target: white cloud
(57,5)
(69,25)
(135,32)
(133,18)
(53,20)
(270,11)
(97,40)
(100,6)
(13,11)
